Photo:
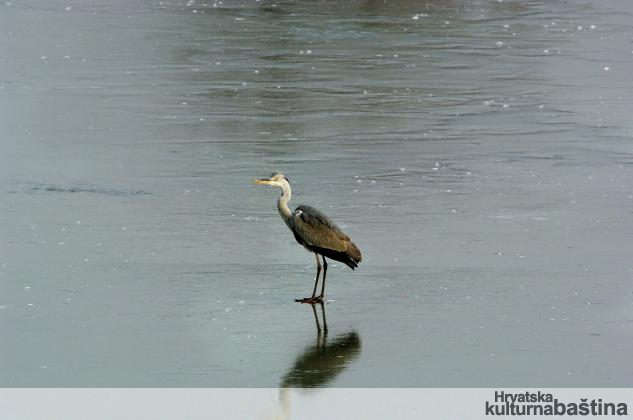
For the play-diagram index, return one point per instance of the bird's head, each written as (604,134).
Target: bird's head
(277,179)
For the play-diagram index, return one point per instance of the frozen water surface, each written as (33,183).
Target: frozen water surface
(480,153)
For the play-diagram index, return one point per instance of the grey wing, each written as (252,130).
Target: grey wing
(316,229)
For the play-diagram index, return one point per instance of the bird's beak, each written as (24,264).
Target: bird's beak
(264,181)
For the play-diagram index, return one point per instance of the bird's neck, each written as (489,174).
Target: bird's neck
(282,203)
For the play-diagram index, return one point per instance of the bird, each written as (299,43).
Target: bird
(316,232)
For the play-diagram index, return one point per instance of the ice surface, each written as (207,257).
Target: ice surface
(489,190)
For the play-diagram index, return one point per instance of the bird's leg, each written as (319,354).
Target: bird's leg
(316,282)
(313,299)
(322,295)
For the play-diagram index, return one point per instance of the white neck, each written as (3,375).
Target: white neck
(282,202)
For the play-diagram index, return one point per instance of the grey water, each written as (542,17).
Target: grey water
(479,153)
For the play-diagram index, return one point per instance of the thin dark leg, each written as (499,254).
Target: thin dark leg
(316,282)
(323,281)
(313,299)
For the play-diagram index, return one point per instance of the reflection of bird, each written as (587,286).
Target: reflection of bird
(318,364)
(316,232)
(321,362)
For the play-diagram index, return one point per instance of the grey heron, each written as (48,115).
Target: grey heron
(315,231)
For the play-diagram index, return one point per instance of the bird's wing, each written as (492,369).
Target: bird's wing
(316,229)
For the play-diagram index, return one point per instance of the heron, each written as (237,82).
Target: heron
(316,232)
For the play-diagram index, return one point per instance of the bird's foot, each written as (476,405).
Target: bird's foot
(310,300)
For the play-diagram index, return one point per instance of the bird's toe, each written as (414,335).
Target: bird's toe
(310,300)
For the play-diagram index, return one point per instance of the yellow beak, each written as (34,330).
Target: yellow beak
(263,181)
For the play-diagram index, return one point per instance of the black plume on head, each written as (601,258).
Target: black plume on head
(276,174)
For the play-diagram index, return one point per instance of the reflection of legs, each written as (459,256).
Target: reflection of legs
(314,299)
(324,321)
(321,296)
(316,319)
(318,324)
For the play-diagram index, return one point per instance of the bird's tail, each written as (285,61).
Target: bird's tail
(354,255)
